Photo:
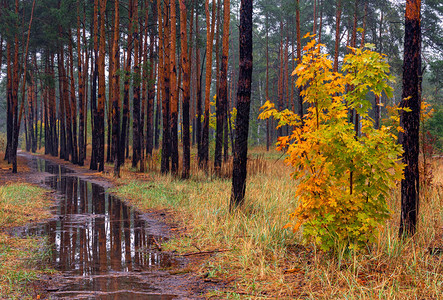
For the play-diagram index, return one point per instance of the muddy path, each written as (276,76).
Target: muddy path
(102,247)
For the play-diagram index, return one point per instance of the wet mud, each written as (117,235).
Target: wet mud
(103,248)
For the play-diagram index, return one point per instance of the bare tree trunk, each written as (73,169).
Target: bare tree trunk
(243,106)
(136,123)
(116,90)
(151,88)
(166,151)
(199,91)
(173,90)
(363,33)
(410,120)
(99,122)
(337,34)
(25,59)
(297,25)
(81,97)
(210,24)
(222,98)
(125,119)
(186,67)
(94,63)
(74,157)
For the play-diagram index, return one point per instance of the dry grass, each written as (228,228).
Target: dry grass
(265,261)
(20,259)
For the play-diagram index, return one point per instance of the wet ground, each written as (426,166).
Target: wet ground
(103,248)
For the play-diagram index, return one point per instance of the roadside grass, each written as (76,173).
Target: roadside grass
(21,259)
(259,259)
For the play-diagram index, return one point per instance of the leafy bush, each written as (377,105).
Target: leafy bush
(344,177)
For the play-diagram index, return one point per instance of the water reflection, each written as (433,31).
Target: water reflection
(45,166)
(95,232)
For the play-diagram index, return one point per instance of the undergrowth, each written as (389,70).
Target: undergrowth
(261,260)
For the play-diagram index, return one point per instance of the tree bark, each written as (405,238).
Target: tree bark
(210,24)
(243,106)
(297,21)
(164,36)
(173,89)
(125,119)
(186,68)
(337,34)
(136,123)
(94,62)
(199,90)
(81,129)
(116,90)
(410,121)
(222,98)
(99,122)
(74,157)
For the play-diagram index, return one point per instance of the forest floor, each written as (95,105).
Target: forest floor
(24,261)
(248,254)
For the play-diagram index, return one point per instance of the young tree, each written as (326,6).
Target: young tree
(410,118)
(243,106)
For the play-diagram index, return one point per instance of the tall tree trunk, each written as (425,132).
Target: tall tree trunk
(9,102)
(116,90)
(337,34)
(73,105)
(94,154)
(410,120)
(62,105)
(164,39)
(109,148)
(218,110)
(29,132)
(125,119)
(297,25)
(280,74)
(14,98)
(223,89)
(320,26)
(151,85)
(210,24)
(85,81)
(25,60)
(81,128)
(363,33)
(136,124)
(314,27)
(199,90)
(186,68)
(52,109)
(243,106)
(173,89)
(100,122)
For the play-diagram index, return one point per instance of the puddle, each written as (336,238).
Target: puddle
(111,287)
(100,244)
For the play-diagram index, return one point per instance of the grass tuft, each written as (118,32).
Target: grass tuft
(21,259)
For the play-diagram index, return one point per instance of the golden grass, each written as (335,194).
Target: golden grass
(270,262)
(20,258)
